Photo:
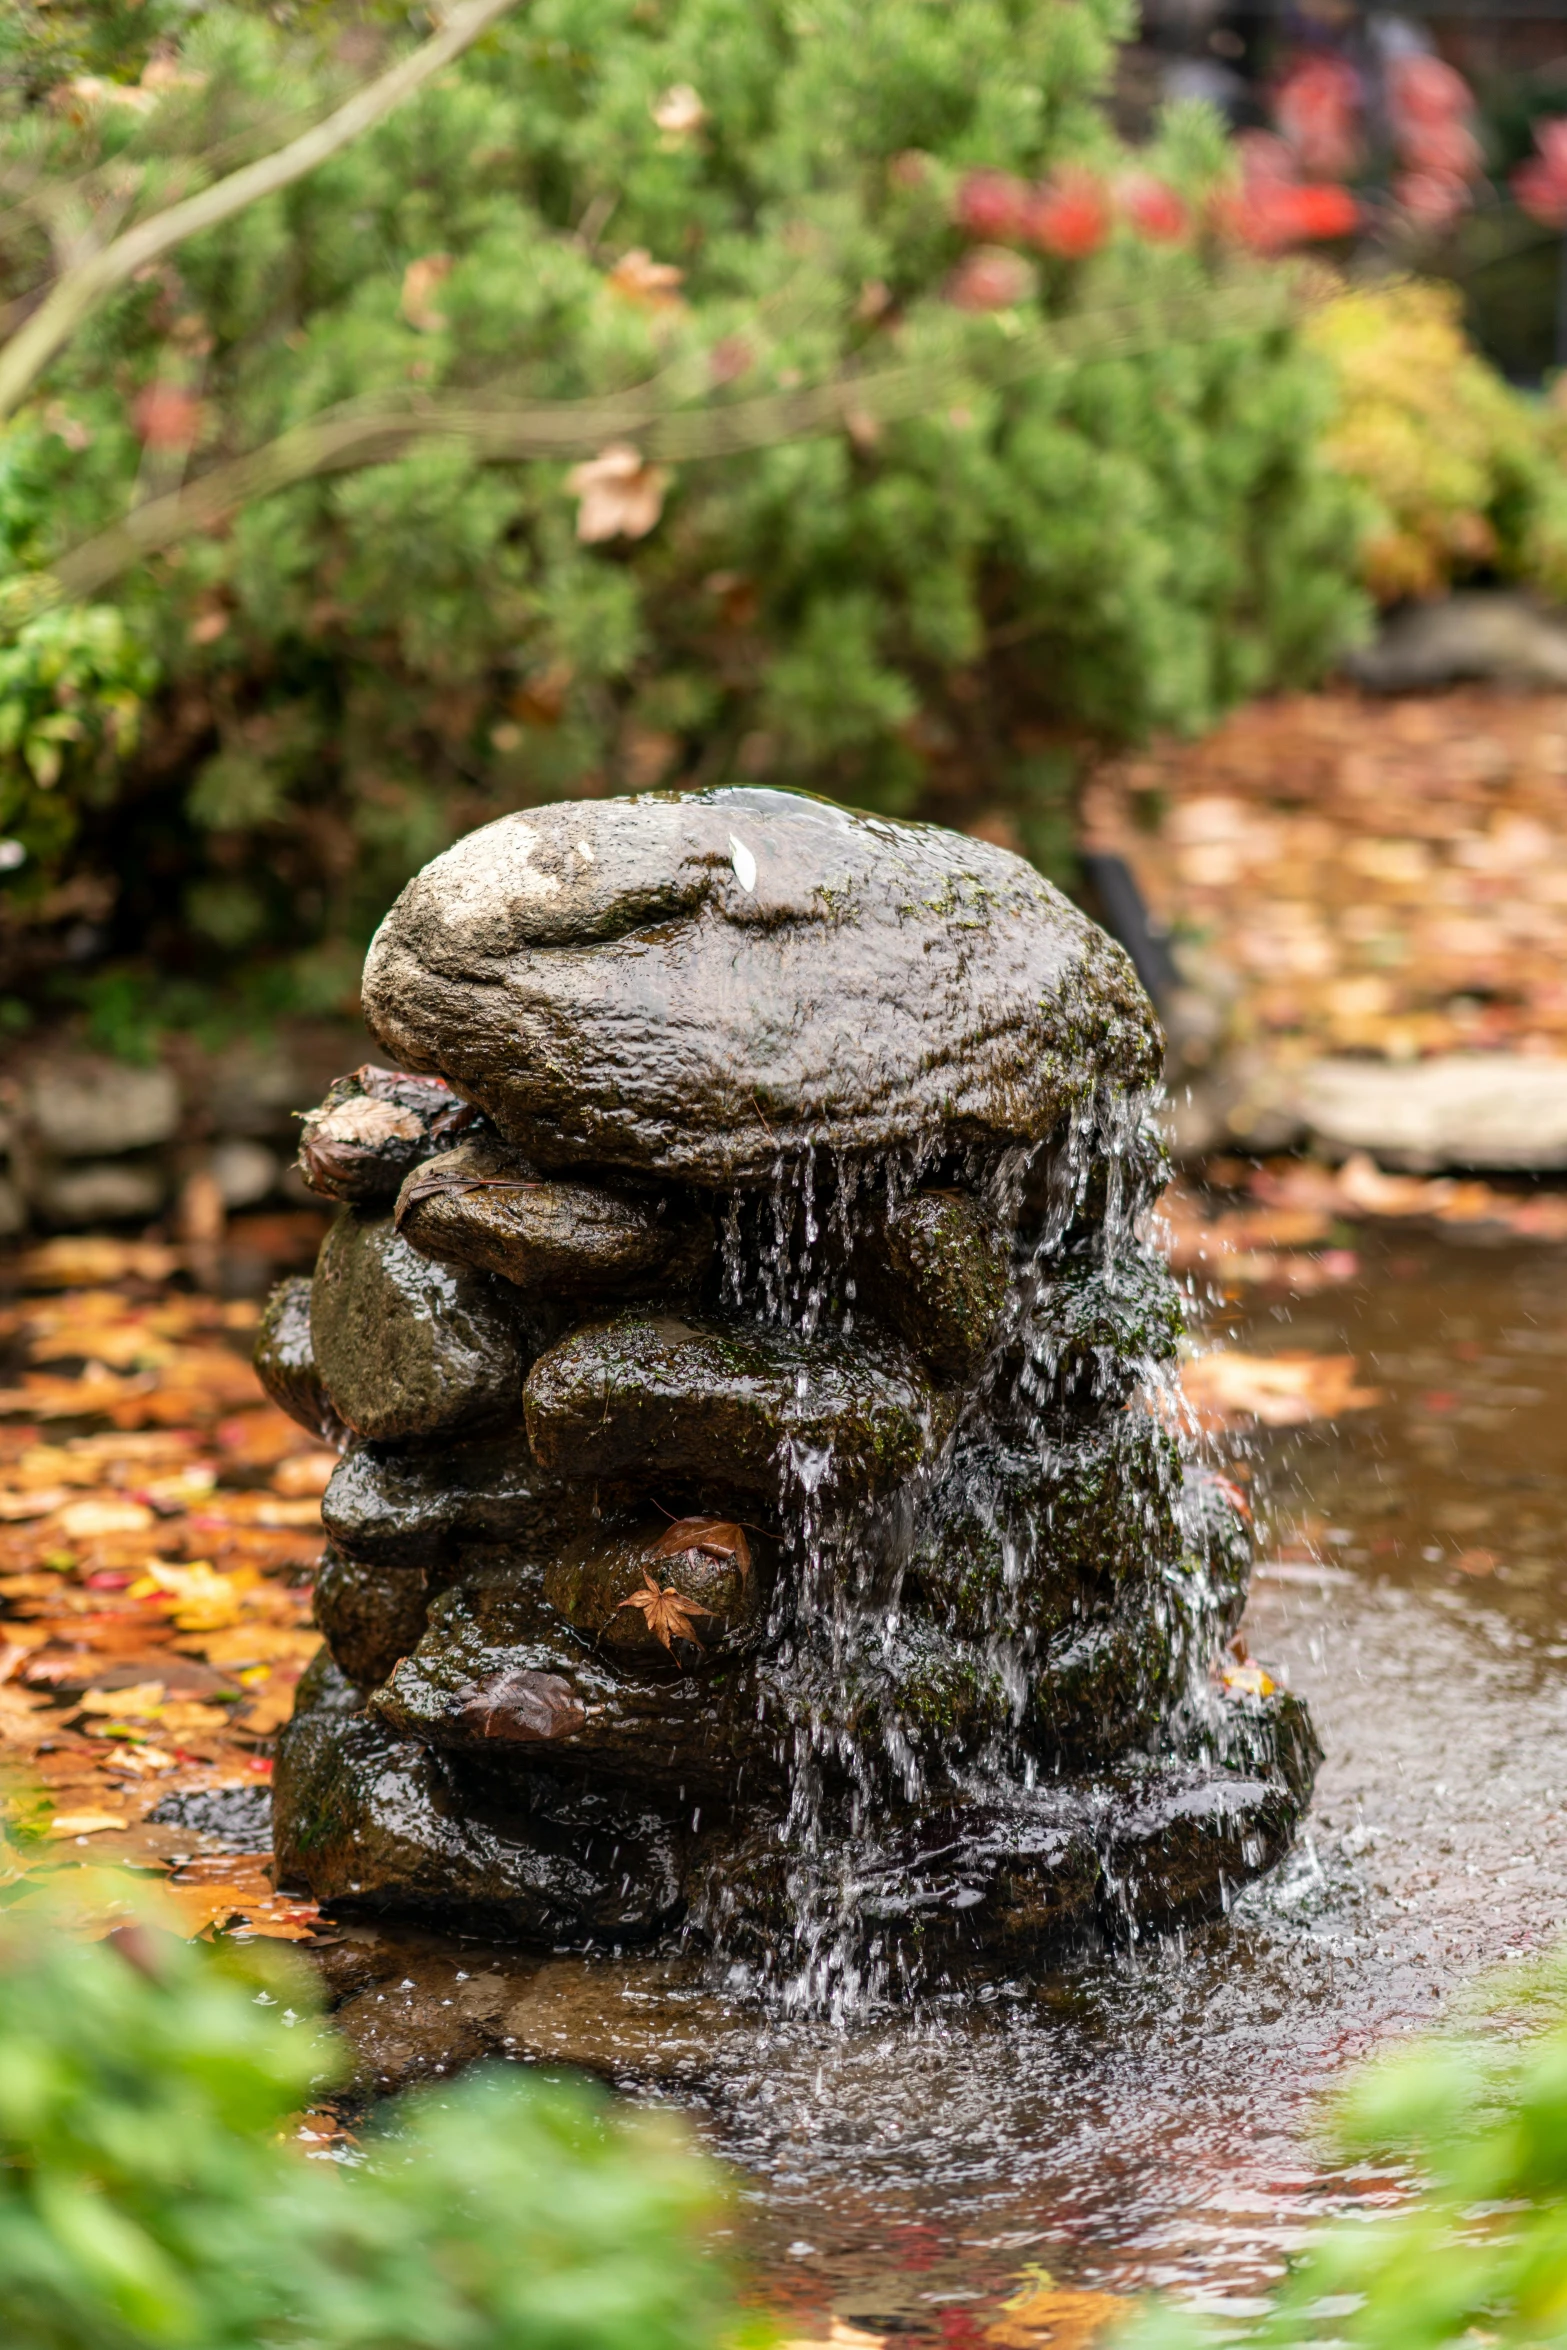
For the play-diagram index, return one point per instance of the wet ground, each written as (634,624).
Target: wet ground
(1147,2118)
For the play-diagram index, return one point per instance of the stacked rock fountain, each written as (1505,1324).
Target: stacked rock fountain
(759,1512)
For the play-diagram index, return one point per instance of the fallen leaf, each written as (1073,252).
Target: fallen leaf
(420,281)
(1058,2315)
(139,1702)
(80,1261)
(655,285)
(1477,1562)
(304,1473)
(1246,1680)
(79,1521)
(670,1616)
(15,1507)
(271,1707)
(621,495)
(85,1823)
(717,1537)
(1285,1390)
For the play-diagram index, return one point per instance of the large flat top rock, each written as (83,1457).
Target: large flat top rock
(697,983)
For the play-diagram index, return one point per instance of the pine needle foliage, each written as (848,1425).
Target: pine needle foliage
(704,204)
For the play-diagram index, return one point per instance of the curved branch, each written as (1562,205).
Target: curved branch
(80,289)
(378,432)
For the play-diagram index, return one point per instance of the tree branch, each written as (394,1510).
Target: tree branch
(378,432)
(80,289)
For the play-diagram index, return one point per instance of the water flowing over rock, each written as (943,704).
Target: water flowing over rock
(759,1516)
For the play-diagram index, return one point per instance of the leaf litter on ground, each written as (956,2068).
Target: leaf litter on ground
(159,1529)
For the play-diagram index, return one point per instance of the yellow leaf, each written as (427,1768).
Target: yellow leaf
(85,1823)
(80,1521)
(138,1703)
(1057,2316)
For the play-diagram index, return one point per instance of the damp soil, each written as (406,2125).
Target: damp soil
(1146,2118)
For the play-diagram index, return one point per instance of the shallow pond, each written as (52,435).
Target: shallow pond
(1145,2118)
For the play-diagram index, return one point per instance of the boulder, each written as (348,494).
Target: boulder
(721,1403)
(1487,1110)
(482,1205)
(704,984)
(935,1268)
(408,1348)
(285,1361)
(395,1506)
(371,1616)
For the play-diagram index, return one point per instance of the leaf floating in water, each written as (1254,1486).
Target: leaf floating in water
(714,1537)
(670,1615)
(1064,2317)
(1282,1391)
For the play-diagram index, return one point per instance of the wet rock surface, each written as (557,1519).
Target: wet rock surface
(759,1518)
(285,1360)
(725,1401)
(699,983)
(408,1348)
(483,1205)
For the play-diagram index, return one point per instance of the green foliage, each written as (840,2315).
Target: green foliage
(1479,2253)
(909,614)
(150,2200)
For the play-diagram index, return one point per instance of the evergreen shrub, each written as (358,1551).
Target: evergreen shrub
(248,741)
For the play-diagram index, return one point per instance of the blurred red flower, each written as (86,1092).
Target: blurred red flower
(1317,107)
(166,417)
(1272,215)
(1432,199)
(1540,185)
(990,278)
(992,204)
(1152,207)
(1068,215)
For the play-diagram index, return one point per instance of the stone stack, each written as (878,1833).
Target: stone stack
(751,1513)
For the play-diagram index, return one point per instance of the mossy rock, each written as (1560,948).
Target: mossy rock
(666,1397)
(935,1269)
(499,1671)
(370,1821)
(481,1205)
(408,1348)
(1019,1542)
(1101,1326)
(371,1616)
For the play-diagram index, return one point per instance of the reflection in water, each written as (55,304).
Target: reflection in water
(1145,2119)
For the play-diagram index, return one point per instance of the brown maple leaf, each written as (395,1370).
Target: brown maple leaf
(717,1537)
(669,1613)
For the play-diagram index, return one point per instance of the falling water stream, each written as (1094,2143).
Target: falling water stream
(1145,2118)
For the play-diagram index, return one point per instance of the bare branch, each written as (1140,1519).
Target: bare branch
(370,433)
(80,289)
